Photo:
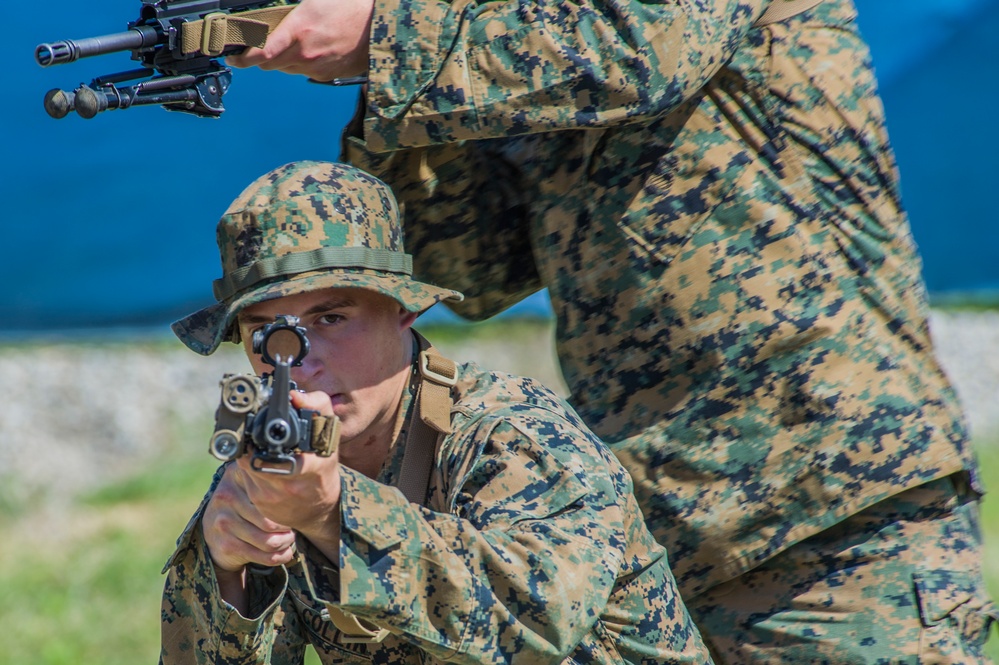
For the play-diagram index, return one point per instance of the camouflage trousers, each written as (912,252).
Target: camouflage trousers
(900,582)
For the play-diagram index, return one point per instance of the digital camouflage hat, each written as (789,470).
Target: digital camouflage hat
(302,227)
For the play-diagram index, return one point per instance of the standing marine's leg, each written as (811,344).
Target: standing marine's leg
(900,582)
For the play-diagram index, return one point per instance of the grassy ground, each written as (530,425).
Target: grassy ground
(988,451)
(80,583)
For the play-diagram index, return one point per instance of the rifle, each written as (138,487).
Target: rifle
(178,43)
(256,412)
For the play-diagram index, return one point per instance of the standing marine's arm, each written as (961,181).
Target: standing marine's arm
(466,219)
(447,79)
(445,71)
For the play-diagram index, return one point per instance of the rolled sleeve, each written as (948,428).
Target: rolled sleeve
(199,626)
(442,72)
(392,573)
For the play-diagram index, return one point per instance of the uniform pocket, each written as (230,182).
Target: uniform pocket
(956,613)
(324,636)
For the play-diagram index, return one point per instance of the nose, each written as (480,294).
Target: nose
(307,374)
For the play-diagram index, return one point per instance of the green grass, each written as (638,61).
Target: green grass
(488,331)
(988,457)
(84,586)
(974,301)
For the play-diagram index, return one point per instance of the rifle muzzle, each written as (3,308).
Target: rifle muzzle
(58,53)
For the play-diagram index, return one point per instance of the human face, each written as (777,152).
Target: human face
(360,356)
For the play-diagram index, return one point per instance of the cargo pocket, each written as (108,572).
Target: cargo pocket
(957,616)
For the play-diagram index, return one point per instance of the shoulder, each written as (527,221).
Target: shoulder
(519,413)
(479,391)
(513,437)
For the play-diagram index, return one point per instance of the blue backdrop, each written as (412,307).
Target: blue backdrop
(110,222)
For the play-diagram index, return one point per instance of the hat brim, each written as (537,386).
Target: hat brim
(204,330)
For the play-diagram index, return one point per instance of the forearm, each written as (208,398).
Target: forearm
(326,536)
(233,590)
(200,624)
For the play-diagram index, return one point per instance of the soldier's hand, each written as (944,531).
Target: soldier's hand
(321,39)
(307,501)
(237,532)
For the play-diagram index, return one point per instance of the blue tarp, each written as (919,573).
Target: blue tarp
(110,222)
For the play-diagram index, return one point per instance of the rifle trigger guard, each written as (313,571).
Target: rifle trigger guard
(280,465)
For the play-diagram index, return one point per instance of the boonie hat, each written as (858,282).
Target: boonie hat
(303,227)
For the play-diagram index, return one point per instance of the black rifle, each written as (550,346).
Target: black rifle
(177,43)
(256,412)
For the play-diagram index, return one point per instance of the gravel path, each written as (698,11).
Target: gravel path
(968,348)
(73,416)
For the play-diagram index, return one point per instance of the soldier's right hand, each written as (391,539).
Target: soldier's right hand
(237,533)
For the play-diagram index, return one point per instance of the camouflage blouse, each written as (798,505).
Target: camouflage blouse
(531,550)
(714,208)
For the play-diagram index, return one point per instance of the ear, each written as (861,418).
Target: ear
(406,318)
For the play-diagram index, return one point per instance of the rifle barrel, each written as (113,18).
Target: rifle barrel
(58,53)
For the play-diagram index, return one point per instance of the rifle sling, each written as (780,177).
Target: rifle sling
(430,419)
(212,34)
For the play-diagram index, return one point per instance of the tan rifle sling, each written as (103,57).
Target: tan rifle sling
(215,31)
(431,419)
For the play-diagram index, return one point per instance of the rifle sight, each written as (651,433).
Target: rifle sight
(255,415)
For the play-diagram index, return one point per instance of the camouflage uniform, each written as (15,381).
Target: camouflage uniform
(530,547)
(714,208)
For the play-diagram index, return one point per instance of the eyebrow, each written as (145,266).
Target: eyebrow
(324,306)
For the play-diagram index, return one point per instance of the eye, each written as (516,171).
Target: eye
(330,319)
(247,330)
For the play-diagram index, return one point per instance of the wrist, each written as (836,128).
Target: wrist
(232,587)
(325,536)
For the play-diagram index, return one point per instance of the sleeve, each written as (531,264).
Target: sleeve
(197,626)
(487,580)
(444,71)
(469,227)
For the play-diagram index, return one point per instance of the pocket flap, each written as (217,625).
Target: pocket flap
(940,592)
